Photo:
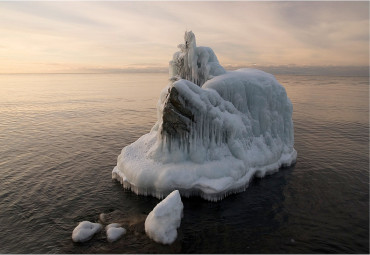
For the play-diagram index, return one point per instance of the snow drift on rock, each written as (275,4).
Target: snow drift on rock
(162,223)
(215,130)
(85,231)
(114,231)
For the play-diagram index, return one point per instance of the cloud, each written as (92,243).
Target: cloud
(310,70)
(119,34)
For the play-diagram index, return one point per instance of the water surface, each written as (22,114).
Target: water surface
(60,135)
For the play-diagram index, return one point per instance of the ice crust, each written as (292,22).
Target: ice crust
(240,125)
(85,231)
(114,232)
(162,223)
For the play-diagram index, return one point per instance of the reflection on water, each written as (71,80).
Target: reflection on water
(61,135)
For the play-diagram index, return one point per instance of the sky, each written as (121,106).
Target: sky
(97,36)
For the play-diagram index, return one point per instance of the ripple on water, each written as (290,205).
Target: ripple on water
(60,139)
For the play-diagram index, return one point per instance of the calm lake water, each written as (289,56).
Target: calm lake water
(60,135)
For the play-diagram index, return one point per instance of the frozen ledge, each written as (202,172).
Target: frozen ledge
(200,189)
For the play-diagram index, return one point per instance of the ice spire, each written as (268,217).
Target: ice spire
(195,64)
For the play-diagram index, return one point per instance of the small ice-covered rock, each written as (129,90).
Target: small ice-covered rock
(114,232)
(85,231)
(162,223)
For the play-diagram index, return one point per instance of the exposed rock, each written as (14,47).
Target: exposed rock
(177,118)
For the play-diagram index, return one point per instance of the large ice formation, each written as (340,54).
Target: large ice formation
(85,231)
(162,223)
(216,129)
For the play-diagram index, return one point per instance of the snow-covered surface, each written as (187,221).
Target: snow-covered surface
(242,126)
(114,232)
(162,223)
(85,231)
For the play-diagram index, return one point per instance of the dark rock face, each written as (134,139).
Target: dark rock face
(177,117)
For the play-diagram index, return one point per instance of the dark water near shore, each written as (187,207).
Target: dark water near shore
(60,136)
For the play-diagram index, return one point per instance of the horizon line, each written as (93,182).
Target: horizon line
(344,70)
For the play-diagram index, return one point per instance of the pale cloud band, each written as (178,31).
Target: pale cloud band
(85,36)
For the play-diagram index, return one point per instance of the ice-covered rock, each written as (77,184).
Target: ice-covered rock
(215,130)
(196,64)
(162,223)
(114,231)
(85,231)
